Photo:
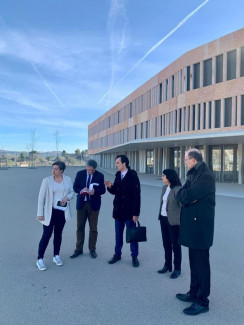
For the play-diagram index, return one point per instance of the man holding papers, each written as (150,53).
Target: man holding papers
(89,186)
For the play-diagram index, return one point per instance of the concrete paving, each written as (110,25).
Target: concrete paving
(87,291)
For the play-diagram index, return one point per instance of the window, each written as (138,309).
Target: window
(184,119)
(207,72)
(231,65)
(193,117)
(166,89)
(147,133)
(149,99)
(242,110)
(188,118)
(188,77)
(130,109)
(160,93)
(135,132)
(204,116)
(198,116)
(180,120)
(180,81)
(161,125)
(228,111)
(242,62)
(209,115)
(196,75)
(175,119)
(173,87)
(219,68)
(217,113)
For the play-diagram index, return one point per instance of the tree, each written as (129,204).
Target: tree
(77,152)
(57,141)
(23,156)
(32,148)
(64,153)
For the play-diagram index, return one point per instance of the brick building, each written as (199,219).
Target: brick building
(196,101)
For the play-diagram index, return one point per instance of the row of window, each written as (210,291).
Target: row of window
(208,115)
(176,84)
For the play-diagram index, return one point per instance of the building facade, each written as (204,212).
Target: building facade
(197,101)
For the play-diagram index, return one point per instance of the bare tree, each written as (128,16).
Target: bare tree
(32,148)
(57,142)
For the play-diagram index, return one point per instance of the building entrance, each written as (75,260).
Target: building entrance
(223,162)
(175,159)
(150,162)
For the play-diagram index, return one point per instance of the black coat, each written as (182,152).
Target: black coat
(197,197)
(80,183)
(127,200)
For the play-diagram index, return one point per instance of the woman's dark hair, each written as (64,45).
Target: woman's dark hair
(124,159)
(172,177)
(60,164)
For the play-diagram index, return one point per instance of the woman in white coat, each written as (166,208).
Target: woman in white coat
(53,210)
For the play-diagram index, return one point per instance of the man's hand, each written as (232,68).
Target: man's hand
(40,218)
(91,192)
(108,184)
(135,219)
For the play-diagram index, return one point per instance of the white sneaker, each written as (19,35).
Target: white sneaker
(40,264)
(57,260)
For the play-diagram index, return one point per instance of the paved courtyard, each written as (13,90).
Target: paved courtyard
(92,292)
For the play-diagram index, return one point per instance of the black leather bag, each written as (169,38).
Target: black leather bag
(136,234)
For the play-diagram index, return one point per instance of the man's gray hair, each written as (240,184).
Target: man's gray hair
(194,153)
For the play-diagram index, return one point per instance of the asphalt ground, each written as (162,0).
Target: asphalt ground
(90,291)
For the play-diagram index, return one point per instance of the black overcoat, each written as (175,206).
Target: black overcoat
(127,195)
(197,197)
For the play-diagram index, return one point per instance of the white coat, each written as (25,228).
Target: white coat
(45,199)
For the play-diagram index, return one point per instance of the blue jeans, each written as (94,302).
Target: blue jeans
(119,230)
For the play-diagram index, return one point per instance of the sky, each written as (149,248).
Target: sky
(64,63)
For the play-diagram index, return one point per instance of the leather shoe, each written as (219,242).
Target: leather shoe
(175,274)
(76,254)
(195,309)
(114,259)
(135,262)
(93,253)
(187,297)
(165,269)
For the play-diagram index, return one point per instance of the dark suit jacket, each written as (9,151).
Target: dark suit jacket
(127,200)
(80,183)
(197,197)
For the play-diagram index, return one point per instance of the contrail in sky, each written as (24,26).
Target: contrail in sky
(37,71)
(182,22)
(47,85)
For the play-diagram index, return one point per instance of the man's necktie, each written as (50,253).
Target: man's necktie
(87,185)
(88,181)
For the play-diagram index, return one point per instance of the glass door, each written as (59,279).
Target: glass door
(150,162)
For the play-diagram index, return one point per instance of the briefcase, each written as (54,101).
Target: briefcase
(136,234)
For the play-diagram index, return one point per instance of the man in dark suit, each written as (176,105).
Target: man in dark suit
(89,186)
(197,197)
(127,201)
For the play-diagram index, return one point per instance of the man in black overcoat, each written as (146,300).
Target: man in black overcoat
(197,197)
(127,201)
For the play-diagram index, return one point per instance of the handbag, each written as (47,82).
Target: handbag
(136,234)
